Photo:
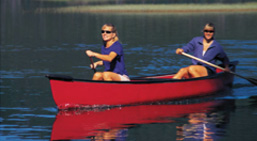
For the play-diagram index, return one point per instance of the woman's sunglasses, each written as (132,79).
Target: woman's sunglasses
(210,31)
(106,31)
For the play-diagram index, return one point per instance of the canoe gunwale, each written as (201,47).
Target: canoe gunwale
(140,80)
(143,79)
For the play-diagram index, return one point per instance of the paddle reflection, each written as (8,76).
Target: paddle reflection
(114,123)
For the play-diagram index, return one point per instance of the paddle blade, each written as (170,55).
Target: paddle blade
(252,80)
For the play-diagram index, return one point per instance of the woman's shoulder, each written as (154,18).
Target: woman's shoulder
(196,40)
(117,43)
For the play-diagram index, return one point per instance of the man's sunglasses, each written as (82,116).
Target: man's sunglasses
(210,31)
(106,31)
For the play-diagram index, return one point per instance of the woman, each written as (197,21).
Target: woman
(205,48)
(111,56)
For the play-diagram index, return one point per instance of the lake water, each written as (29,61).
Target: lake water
(34,44)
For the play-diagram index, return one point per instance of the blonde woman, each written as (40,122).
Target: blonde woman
(111,56)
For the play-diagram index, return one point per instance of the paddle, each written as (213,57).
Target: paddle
(92,62)
(252,80)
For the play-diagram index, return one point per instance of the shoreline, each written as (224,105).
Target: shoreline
(157,8)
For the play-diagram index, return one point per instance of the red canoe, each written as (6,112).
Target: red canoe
(69,92)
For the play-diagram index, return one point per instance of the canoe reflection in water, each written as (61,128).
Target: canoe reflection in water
(114,123)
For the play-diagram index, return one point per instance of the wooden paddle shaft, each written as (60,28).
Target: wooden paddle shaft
(92,62)
(200,60)
(252,80)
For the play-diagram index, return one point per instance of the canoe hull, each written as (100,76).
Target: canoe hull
(69,93)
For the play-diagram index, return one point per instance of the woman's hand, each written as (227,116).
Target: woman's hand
(179,51)
(90,53)
(93,67)
(96,64)
(226,69)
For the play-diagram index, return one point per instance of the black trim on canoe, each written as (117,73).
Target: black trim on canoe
(59,77)
(142,79)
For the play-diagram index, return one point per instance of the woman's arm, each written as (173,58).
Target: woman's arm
(226,63)
(189,47)
(108,57)
(98,63)
(222,56)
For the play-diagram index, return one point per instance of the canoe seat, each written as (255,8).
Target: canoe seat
(219,70)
